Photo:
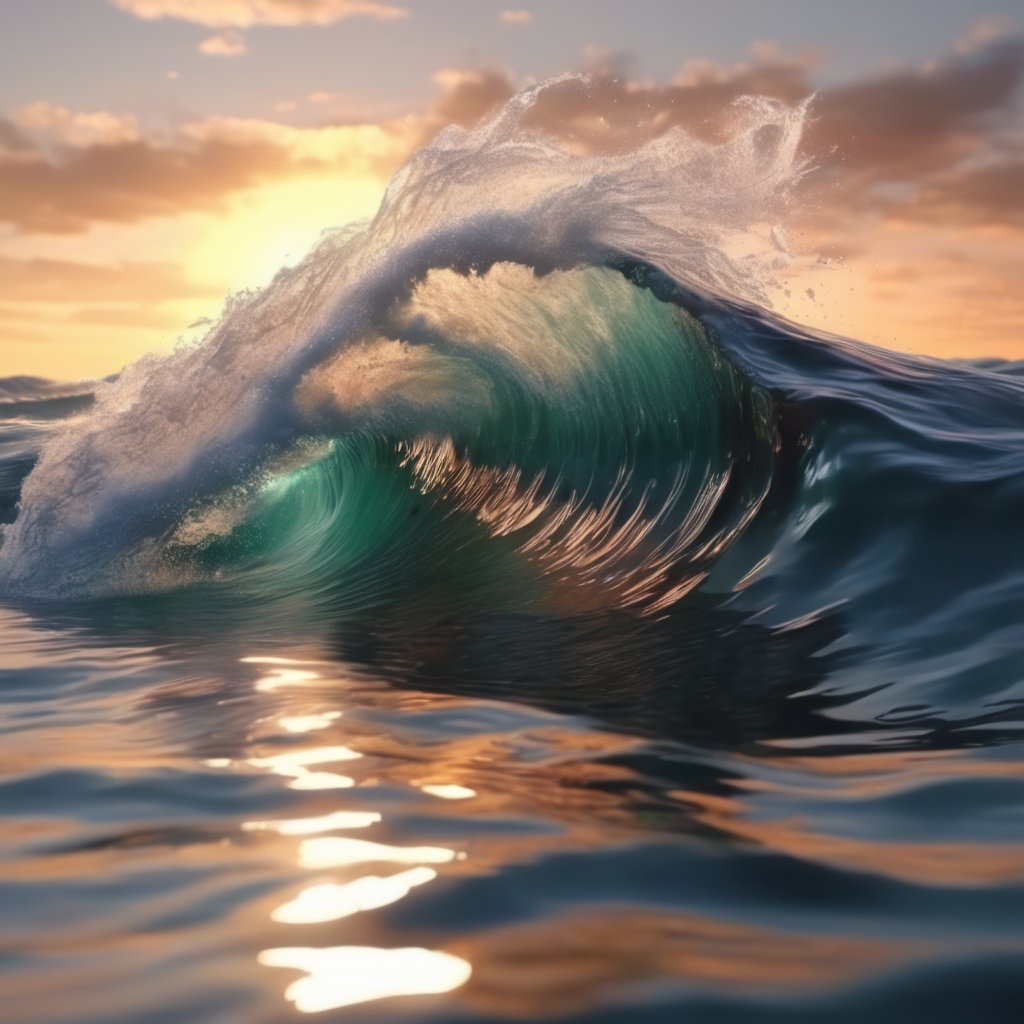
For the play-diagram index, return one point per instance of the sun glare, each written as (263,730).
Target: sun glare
(274,226)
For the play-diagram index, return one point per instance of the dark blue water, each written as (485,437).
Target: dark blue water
(498,618)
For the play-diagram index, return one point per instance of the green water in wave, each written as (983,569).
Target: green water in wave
(504,414)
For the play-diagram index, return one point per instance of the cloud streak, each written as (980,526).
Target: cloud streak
(65,182)
(69,281)
(515,17)
(225,44)
(244,13)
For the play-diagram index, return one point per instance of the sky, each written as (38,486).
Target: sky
(156,155)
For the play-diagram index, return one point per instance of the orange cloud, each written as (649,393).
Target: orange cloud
(126,182)
(48,123)
(12,139)
(515,17)
(62,170)
(609,112)
(224,44)
(467,96)
(91,168)
(243,13)
(67,281)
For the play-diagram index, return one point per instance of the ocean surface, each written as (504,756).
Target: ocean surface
(504,616)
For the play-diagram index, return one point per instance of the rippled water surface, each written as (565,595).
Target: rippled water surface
(252,831)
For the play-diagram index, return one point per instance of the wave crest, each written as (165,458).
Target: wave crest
(175,431)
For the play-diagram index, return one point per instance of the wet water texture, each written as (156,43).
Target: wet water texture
(495,818)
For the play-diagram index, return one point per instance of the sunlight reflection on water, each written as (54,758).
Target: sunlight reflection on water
(345,975)
(329,901)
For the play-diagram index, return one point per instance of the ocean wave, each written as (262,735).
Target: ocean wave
(95,517)
(539,380)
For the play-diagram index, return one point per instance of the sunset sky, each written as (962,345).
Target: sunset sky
(157,154)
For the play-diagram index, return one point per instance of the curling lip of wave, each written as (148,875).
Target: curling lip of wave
(95,516)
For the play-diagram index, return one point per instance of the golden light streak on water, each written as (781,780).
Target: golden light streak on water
(309,723)
(448,792)
(346,975)
(329,901)
(310,826)
(290,761)
(334,851)
(282,672)
(294,765)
